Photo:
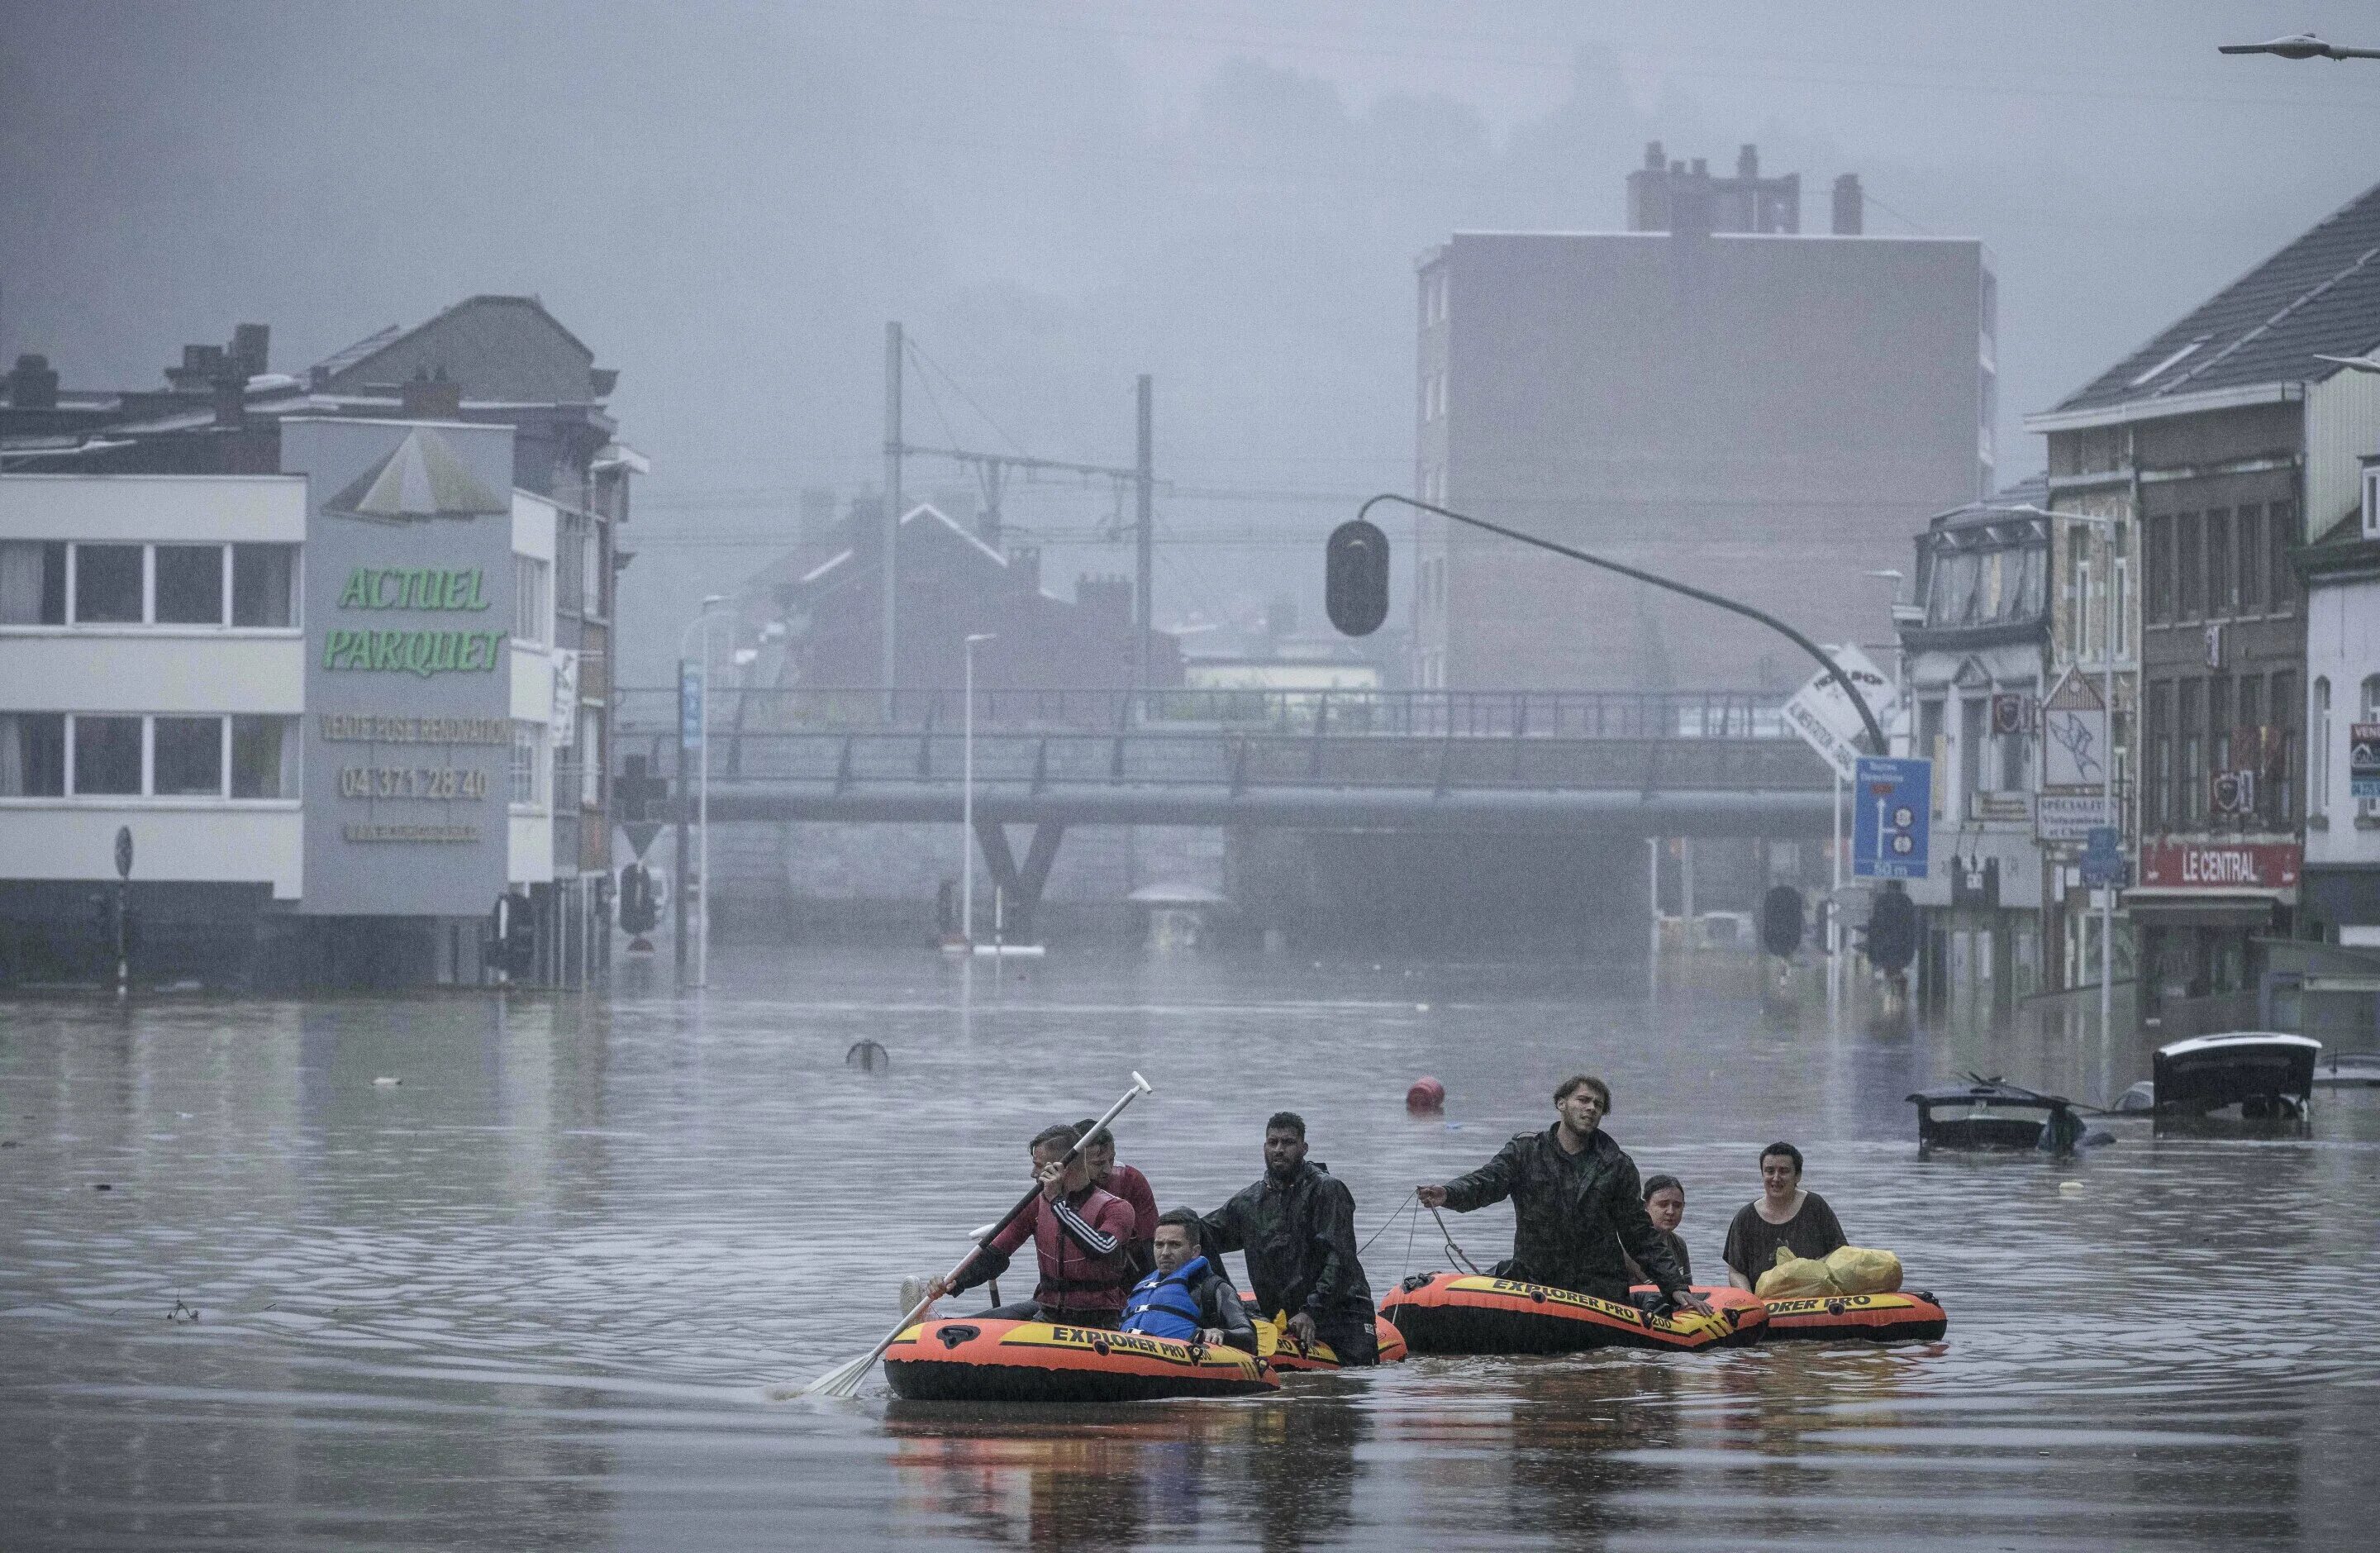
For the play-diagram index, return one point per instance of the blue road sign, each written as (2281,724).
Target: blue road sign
(2103,858)
(689,705)
(1891,818)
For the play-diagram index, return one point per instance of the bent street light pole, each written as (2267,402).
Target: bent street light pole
(1834,670)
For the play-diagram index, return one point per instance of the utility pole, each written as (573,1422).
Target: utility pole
(1144,482)
(889,582)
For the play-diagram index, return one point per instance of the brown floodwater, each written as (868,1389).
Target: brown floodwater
(544,1290)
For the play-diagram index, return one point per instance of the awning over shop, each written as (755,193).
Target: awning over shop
(2157,910)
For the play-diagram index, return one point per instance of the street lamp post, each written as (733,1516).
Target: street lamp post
(966,798)
(702,755)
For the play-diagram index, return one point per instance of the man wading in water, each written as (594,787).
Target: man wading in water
(1577,1202)
(1297,1227)
(1083,1237)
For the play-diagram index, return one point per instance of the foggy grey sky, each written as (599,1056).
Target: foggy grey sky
(728,202)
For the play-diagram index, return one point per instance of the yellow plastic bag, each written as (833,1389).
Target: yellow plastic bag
(1856,1269)
(1793,1277)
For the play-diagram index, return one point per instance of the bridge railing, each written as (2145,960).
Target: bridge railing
(1564,714)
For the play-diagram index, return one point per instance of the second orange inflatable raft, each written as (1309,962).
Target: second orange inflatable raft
(1472,1313)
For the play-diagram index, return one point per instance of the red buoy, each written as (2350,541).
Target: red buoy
(1427,1095)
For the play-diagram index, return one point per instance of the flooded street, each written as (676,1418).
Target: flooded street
(538,1291)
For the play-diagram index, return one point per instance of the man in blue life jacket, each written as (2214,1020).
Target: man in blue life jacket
(1185,1297)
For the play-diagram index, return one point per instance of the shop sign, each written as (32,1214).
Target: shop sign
(2364,761)
(2073,734)
(407,766)
(2216,867)
(2063,817)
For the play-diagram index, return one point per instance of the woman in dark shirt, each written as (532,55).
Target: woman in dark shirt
(1665,1204)
(1782,1215)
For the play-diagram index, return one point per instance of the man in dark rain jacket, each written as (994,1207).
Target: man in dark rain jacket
(1576,1203)
(1297,1227)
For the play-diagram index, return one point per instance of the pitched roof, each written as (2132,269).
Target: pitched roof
(2319,294)
(423,478)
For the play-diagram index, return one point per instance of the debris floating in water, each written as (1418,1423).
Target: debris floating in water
(868,1057)
(1427,1094)
(2070,1188)
(102,1186)
(385,1082)
(182,1312)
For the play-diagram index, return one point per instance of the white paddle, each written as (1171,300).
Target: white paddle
(843,1379)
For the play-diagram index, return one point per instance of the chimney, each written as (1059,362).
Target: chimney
(251,346)
(200,366)
(1851,207)
(1747,163)
(432,398)
(33,386)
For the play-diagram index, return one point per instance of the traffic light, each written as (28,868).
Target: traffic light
(637,911)
(1781,920)
(1892,932)
(1355,578)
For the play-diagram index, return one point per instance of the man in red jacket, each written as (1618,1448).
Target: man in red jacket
(1122,1181)
(1082,1235)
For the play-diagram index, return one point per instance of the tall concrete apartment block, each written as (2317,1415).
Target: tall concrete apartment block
(1716,398)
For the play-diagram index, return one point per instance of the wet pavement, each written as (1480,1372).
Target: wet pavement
(540,1290)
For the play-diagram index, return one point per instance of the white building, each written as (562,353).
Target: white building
(2341,881)
(158,638)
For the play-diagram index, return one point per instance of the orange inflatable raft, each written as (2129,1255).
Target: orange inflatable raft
(1276,1350)
(983,1361)
(1467,1313)
(1902,1317)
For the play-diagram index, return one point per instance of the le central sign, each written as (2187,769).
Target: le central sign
(2216,867)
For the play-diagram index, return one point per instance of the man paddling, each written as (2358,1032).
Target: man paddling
(1577,1203)
(1082,1235)
(1187,1297)
(1297,1227)
(1122,1181)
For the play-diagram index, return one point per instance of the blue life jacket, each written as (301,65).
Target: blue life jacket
(1162,1306)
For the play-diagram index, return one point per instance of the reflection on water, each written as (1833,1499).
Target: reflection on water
(536,1290)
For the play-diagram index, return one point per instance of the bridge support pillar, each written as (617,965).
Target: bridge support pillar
(1020,887)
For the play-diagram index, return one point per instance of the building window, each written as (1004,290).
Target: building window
(189,584)
(528,757)
(590,759)
(265,756)
(532,608)
(2120,575)
(264,586)
(107,756)
(2281,584)
(107,586)
(2318,763)
(2190,567)
(33,583)
(2161,805)
(32,755)
(1974,724)
(2283,765)
(2248,543)
(2193,718)
(570,564)
(187,756)
(2370,808)
(2219,581)
(2078,609)
(2160,556)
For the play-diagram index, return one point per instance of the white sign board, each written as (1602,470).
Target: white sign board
(2065,816)
(2073,734)
(1827,720)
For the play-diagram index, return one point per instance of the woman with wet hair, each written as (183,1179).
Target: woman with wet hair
(1783,1215)
(1665,1205)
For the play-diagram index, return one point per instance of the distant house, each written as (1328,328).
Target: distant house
(823,621)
